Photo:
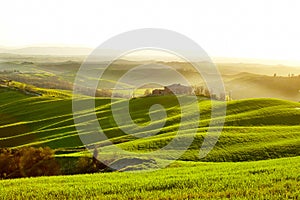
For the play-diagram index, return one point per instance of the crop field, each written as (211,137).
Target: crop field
(256,156)
(270,179)
(255,129)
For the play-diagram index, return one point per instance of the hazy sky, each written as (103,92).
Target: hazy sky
(249,28)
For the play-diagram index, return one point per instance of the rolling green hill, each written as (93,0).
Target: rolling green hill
(272,179)
(255,129)
(263,133)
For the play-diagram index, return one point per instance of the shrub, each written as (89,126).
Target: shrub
(86,165)
(8,164)
(28,162)
(90,165)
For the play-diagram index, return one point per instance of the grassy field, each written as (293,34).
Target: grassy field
(255,129)
(259,132)
(271,179)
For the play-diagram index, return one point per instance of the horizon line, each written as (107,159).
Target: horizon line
(214,58)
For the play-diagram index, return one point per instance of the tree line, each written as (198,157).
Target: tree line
(41,161)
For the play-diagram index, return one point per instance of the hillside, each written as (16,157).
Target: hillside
(272,179)
(255,129)
(247,85)
(241,79)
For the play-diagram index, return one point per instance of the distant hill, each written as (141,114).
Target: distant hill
(247,85)
(257,68)
(58,51)
(243,80)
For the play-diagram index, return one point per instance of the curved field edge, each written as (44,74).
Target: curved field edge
(269,179)
(255,129)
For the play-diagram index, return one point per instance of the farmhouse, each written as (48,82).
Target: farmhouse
(173,89)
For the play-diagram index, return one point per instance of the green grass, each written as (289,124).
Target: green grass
(234,144)
(272,179)
(255,129)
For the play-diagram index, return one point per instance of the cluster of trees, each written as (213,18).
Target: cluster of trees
(289,75)
(90,165)
(293,75)
(27,162)
(31,162)
(203,91)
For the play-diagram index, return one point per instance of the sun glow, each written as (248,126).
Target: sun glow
(248,29)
